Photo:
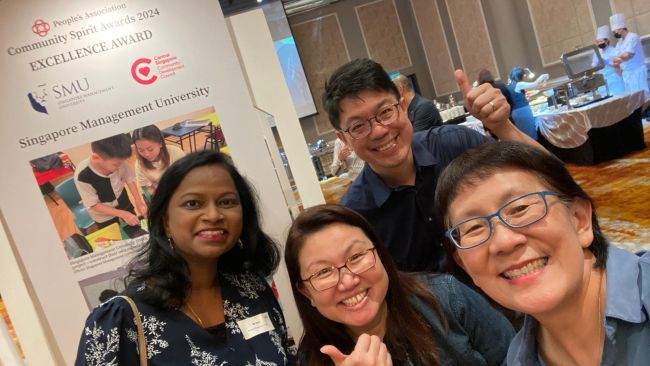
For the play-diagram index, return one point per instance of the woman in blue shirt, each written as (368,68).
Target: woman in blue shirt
(528,236)
(199,282)
(522,113)
(357,309)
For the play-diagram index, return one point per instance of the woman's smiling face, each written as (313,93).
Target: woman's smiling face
(204,216)
(533,269)
(357,300)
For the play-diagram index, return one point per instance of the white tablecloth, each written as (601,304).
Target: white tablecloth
(474,124)
(569,129)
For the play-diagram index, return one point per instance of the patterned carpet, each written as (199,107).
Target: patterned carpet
(621,189)
(5,316)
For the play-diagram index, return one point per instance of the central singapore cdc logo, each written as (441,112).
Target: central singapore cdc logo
(141,71)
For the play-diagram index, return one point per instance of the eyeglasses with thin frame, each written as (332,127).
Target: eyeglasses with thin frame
(329,277)
(516,214)
(362,127)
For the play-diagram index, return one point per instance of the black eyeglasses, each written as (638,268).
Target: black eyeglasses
(361,128)
(518,213)
(328,277)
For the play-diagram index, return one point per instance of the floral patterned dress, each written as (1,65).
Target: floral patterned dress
(110,337)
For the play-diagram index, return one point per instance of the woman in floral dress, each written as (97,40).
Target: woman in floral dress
(200,283)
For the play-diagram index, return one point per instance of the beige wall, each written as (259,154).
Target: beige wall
(436,49)
(637,14)
(473,42)
(561,25)
(441,35)
(319,62)
(382,34)
(315,39)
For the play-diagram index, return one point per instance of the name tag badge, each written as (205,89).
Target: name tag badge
(255,325)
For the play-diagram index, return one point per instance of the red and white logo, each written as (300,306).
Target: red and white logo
(141,71)
(40,27)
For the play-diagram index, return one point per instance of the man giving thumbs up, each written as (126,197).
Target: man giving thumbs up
(395,191)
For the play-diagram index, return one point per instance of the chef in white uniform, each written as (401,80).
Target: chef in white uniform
(629,56)
(607,52)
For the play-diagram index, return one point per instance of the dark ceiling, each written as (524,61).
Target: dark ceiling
(230,7)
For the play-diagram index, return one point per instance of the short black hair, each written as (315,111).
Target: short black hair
(114,147)
(158,263)
(480,163)
(349,80)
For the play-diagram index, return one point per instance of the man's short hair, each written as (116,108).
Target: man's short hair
(351,79)
(402,80)
(114,147)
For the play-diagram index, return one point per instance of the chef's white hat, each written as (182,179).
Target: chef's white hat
(617,21)
(602,32)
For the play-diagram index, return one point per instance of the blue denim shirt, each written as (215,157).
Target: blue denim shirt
(477,333)
(627,327)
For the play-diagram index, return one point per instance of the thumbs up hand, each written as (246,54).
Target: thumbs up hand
(369,351)
(484,102)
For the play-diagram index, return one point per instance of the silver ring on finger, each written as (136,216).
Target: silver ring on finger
(493,107)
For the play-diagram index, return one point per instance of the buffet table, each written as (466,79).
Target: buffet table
(600,131)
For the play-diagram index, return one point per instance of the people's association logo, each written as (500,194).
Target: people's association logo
(40,27)
(38,98)
(141,71)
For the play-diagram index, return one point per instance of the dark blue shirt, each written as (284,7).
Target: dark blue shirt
(518,97)
(503,88)
(423,114)
(403,217)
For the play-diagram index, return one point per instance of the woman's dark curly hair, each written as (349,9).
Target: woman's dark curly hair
(164,271)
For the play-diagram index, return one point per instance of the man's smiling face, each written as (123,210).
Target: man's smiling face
(386,146)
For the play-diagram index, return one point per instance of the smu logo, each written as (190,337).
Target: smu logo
(71,88)
(38,98)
